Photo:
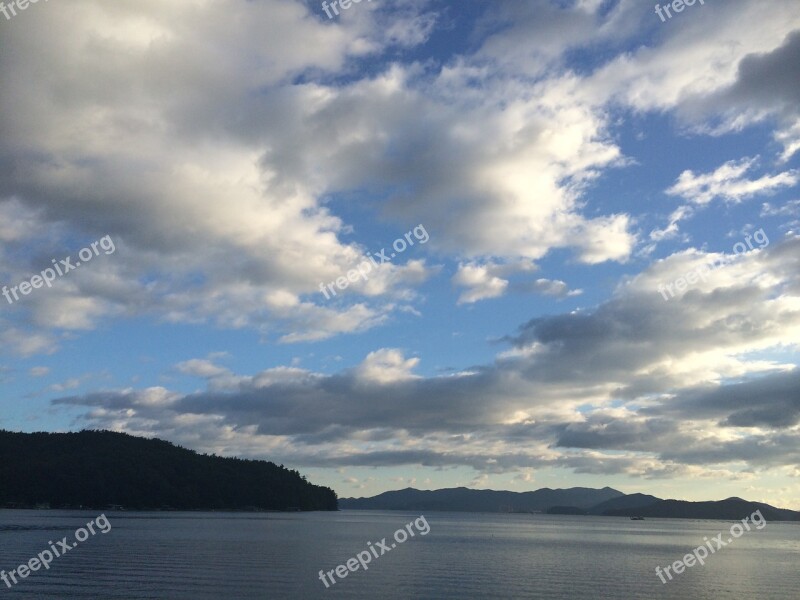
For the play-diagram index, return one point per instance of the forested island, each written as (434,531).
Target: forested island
(102,469)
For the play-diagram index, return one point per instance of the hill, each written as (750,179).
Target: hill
(96,469)
(631,501)
(573,501)
(730,509)
(464,499)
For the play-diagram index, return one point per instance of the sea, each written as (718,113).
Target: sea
(230,556)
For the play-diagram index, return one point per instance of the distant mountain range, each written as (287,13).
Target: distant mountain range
(729,509)
(573,501)
(100,469)
(465,499)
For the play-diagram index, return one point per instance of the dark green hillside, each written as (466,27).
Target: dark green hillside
(101,468)
(730,509)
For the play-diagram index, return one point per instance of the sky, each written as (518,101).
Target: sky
(493,244)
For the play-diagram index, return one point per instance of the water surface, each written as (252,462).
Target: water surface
(466,555)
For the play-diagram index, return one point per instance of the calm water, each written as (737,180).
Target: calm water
(247,556)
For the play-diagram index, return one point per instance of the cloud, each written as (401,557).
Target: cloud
(386,366)
(636,385)
(672,229)
(550,287)
(767,78)
(729,183)
(763,89)
(772,401)
(481,283)
(25,343)
(788,209)
(789,137)
(228,147)
(524,478)
(493,280)
(531,37)
(223,216)
(206,227)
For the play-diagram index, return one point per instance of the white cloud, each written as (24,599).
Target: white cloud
(672,229)
(638,385)
(790,139)
(492,280)
(730,184)
(224,140)
(788,209)
(481,283)
(387,365)
(26,343)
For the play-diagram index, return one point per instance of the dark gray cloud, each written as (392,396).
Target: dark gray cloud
(765,87)
(769,401)
(638,385)
(218,201)
(604,431)
(770,79)
(756,451)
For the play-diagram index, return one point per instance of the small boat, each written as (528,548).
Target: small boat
(637,518)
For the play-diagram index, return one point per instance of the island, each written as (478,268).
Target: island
(109,470)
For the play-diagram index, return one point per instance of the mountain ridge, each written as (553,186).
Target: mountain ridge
(465,499)
(98,469)
(572,501)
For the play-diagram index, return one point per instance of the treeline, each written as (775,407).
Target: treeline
(97,469)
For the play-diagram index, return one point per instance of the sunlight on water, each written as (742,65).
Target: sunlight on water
(465,555)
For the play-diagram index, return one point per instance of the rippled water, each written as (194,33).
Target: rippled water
(279,555)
